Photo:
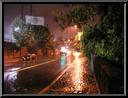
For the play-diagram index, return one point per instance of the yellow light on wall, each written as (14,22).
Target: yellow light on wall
(79,35)
(76,37)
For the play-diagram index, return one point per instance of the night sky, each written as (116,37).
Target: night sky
(43,10)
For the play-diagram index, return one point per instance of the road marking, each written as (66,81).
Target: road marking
(35,65)
(58,77)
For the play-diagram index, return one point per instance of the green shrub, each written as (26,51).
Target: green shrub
(106,38)
(109,46)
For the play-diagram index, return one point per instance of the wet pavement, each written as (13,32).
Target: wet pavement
(14,63)
(31,80)
(77,79)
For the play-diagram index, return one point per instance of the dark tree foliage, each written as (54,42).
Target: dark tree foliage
(106,38)
(75,14)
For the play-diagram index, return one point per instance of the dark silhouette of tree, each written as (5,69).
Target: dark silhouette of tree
(78,14)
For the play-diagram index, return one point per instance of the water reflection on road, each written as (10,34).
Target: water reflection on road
(77,79)
(10,77)
(11,74)
(31,80)
(66,58)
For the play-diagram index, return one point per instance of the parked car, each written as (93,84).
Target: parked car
(29,57)
(26,57)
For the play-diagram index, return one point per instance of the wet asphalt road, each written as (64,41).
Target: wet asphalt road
(38,79)
(31,80)
(76,80)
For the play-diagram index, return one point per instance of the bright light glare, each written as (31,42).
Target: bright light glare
(76,54)
(77,78)
(75,26)
(63,49)
(11,74)
(17,29)
(79,35)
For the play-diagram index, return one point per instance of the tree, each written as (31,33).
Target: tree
(41,38)
(31,36)
(79,14)
(18,29)
(106,38)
